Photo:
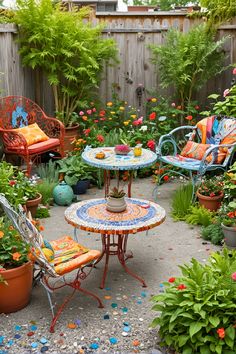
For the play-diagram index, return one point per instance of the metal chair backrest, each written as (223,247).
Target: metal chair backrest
(29,234)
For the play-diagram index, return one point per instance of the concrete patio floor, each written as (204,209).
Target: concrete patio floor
(156,258)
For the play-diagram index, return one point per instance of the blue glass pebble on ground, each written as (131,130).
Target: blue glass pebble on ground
(139,302)
(17,336)
(78,322)
(43,340)
(114,305)
(113,340)
(106,317)
(17,328)
(44,349)
(3,351)
(161,285)
(143,294)
(10,342)
(126,329)
(34,345)
(126,323)
(107,289)
(1,339)
(125,309)
(94,346)
(33,328)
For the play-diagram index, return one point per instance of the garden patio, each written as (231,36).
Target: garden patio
(156,258)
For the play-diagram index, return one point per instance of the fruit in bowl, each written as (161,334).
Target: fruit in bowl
(122,149)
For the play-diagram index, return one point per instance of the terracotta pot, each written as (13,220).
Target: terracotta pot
(71,133)
(210,203)
(32,205)
(116,205)
(16,294)
(229,236)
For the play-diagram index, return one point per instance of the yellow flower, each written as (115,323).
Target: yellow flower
(133,116)
(113,112)
(1,234)
(153,99)
(110,118)
(122,108)
(109,104)
(126,102)
(126,122)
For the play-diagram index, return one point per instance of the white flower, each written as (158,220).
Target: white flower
(144,128)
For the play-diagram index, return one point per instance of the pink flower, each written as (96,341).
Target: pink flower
(94,109)
(100,138)
(96,121)
(87,131)
(81,113)
(234,71)
(89,111)
(172,104)
(226,92)
(233,276)
(151,144)
(103,118)
(138,121)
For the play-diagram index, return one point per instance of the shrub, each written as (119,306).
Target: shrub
(213,233)
(199,216)
(198,308)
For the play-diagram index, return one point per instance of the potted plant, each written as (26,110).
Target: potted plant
(76,173)
(116,201)
(228,224)
(210,193)
(16,271)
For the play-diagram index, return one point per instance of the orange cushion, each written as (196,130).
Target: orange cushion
(42,146)
(32,134)
(196,151)
(70,255)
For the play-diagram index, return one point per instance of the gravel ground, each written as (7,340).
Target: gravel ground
(123,325)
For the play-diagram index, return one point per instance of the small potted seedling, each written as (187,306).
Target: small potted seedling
(116,201)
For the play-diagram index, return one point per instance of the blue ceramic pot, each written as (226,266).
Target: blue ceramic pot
(63,194)
(81,187)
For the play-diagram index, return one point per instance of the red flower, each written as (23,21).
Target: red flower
(212,194)
(221,332)
(94,109)
(189,117)
(181,287)
(171,280)
(197,107)
(152,116)
(100,138)
(103,118)
(89,111)
(166,178)
(234,71)
(233,276)
(12,183)
(96,121)
(102,113)
(87,131)
(231,214)
(151,144)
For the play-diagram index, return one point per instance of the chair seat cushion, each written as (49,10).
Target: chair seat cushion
(70,255)
(32,134)
(43,146)
(183,162)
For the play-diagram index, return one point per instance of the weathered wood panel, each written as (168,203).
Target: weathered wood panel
(133,32)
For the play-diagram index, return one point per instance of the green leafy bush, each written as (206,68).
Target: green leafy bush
(213,233)
(198,308)
(199,216)
(181,201)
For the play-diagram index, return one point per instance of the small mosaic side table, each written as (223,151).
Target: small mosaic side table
(115,162)
(92,216)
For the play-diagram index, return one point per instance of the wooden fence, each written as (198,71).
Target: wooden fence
(133,77)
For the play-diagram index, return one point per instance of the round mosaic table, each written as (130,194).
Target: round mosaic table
(91,215)
(112,161)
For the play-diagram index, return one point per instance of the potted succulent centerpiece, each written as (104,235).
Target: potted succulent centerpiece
(210,193)
(16,271)
(228,223)
(116,201)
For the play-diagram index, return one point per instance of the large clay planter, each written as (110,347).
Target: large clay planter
(116,205)
(71,133)
(32,205)
(229,236)
(16,294)
(210,203)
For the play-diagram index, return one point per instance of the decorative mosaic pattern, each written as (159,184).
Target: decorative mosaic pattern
(113,161)
(91,215)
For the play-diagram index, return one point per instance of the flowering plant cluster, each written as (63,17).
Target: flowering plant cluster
(198,308)
(228,214)
(13,250)
(211,187)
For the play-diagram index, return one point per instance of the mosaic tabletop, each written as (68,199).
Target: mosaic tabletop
(113,161)
(91,215)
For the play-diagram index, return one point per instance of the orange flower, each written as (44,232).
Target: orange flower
(1,234)
(11,228)
(41,227)
(221,332)
(16,256)
(189,117)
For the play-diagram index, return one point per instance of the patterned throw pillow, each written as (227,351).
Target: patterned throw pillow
(196,151)
(32,134)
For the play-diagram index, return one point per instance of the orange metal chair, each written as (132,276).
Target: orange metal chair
(17,112)
(66,268)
